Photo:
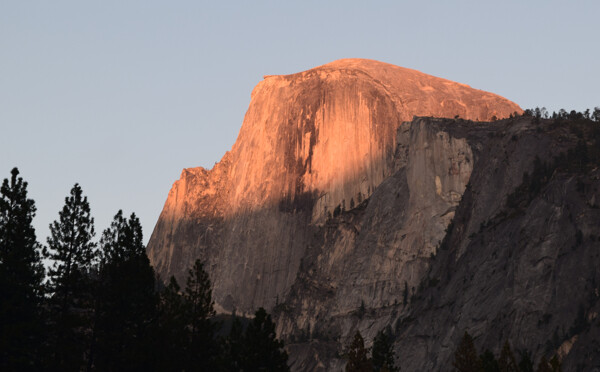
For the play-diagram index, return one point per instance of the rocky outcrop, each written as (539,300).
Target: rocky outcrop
(313,145)
(368,261)
(520,261)
(339,210)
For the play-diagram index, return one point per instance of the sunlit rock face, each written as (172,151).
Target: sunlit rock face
(312,145)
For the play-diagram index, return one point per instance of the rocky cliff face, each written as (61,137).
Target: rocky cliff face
(313,145)
(520,262)
(338,211)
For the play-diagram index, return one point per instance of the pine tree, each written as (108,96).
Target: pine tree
(383,353)
(21,275)
(525,364)
(72,251)
(555,364)
(596,114)
(489,362)
(465,357)
(544,366)
(262,351)
(232,347)
(357,356)
(507,361)
(125,301)
(173,329)
(198,297)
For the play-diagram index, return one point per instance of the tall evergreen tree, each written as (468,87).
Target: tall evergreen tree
(555,364)
(465,356)
(525,364)
(544,366)
(200,307)
(489,362)
(21,275)
(262,350)
(382,355)
(358,360)
(507,361)
(125,301)
(173,329)
(232,347)
(72,251)
(596,114)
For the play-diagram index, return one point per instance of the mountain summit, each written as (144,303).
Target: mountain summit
(362,196)
(312,144)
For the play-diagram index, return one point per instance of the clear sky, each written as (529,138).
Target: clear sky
(121,95)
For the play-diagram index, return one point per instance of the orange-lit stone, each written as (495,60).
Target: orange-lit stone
(310,142)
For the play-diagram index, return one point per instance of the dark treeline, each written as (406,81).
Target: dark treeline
(562,114)
(101,307)
(467,360)
(382,354)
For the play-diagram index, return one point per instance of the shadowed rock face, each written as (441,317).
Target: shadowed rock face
(525,271)
(314,144)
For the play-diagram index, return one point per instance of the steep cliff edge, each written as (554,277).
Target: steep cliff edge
(520,261)
(314,144)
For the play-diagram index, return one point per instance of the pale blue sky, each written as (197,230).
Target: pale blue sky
(121,95)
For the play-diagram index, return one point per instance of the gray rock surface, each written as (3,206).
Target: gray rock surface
(517,274)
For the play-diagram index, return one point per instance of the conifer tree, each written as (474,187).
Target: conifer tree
(173,330)
(358,360)
(200,307)
(544,366)
(555,364)
(262,350)
(72,251)
(21,275)
(383,353)
(489,362)
(232,347)
(525,364)
(596,114)
(125,301)
(465,357)
(507,361)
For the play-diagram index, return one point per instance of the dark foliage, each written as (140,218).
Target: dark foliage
(199,311)
(125,301)
(232,348)
(489,362)
(21,274)
(261,350)
(531,185)
(507,361)
(544,366)
(106,311)
(72,251)
(172,335)
(465,356)
(466,360)
(382,355)
(526,363)
(358,360)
